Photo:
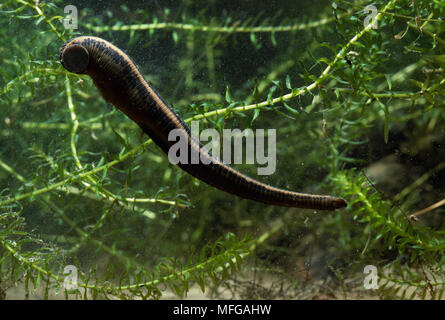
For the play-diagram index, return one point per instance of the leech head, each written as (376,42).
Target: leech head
(74,57)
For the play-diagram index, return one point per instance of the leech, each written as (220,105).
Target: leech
(119,81)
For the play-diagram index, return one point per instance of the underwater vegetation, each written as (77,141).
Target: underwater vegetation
(91,208)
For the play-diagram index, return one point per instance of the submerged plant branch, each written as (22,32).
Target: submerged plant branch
(41,15)
(324,75)
(235,28)
(63,200)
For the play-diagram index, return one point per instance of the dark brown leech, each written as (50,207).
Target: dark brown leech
(120,83)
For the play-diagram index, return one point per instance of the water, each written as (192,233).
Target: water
(357,115)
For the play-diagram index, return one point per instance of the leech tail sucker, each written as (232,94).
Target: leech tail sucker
(120,82)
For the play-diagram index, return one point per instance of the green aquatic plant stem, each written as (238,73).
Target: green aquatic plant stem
(218,29)
(77,176)
(74,126)
(423,30)
(422,179)
(260,240)
(111,197)
(87,237)
(397,64)
(92,195)
(358,188)
(41,14)
(24,77)
(93,123)
(396,15)
(172,276)
(10,170)
(103,191)
(296,92)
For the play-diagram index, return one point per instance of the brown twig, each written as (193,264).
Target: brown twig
(430,208)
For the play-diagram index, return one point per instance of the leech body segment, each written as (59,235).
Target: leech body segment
(121,84)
